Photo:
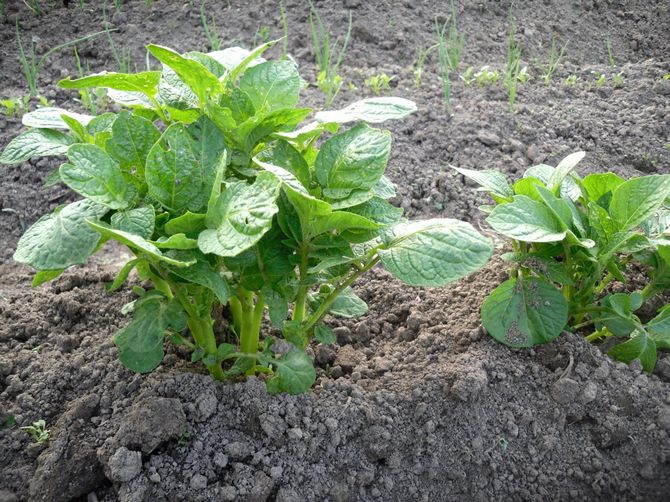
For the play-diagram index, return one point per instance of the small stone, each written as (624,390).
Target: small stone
(228,493)
(344,335)
(276,472)
(239,450)
(220,459)
(589,393)
(124,465)
(565,391)
(488,138)
(206,404)
(664,417)
(331,423)
(198,482)
(295,433)
(155,477)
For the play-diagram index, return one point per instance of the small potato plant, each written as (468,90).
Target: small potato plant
(233,207)
(576,244)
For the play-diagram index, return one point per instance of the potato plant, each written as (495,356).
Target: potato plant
(211,177)
(573,240)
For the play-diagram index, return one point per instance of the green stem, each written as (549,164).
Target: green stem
(648,289)
(323,308)
(301,299)
(567,290)
(248,339)
(602,333)
(236,310)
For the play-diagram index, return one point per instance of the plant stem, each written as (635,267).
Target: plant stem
(301,299)
(597,335)
(248,339)
(203,333)
(236,310)
(323,308)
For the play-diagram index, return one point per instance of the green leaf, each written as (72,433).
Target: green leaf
(272,86)
(52,118)
(348,304)
(384,188)
(294,373)
(92,173)
(433,252)
(78,129)
(177,174)
(528,186)
(618,318)
(543,267)
(543,172)
(557,206)
(564,167)
(35,143)
(190,224)
(491,181)
(637,199)
(599,185)
(194,74)
(283,155)
(378,210)
(523,313)
(526,220)
(137,243)
(372,110)
(353,160)
(140,343)
(660,324)
(277,307)
(43,276)
(145,82)
(61,239)
(341,221)
(202,273)
(131,141)
(243,214)
(324,334)
(640,346)
(139,221)
(176,241)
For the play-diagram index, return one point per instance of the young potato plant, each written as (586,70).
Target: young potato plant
(224,200)
(573,239)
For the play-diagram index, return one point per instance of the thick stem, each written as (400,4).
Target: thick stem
(248,339)
(203,333)
(236,311)
(300,307)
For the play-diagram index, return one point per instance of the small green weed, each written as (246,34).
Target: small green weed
(379,83)
(554,60)
(38,430)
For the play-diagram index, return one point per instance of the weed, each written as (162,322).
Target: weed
(38,431)
(329,79)
(31,64)
(571,80)
(554,60)
(468,76)
(485,77)
(601,79)
(610,54)
(444,63)
(513,71)
(15,106)
(210,30)
(618,81)
(379,83)
(284,25)
(419,64)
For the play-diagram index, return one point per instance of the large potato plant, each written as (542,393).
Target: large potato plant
(223,198)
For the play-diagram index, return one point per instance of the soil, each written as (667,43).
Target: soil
(415,401)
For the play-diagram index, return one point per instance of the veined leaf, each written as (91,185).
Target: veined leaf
(92,173)
(131,141)
(637,199)
(51,118)
(372,110)
(145,82)
(564,168)
(492,181)
(61,239)
(523,313)
(272,86)
(527,220)
(348,304)
(600,184)
(294,373)
(188,223)
(433,252)
(202,273)
(35,143)
(138,221)
(640,346)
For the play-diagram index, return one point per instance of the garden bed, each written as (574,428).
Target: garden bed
(414,401)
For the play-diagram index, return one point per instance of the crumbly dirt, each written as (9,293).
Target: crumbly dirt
(415,401)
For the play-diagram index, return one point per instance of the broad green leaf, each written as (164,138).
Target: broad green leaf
(250,60)
(174,173)
(140,343)
(640,346)
(600,221)
(433,252)
(372,110)
(353,160)
(660,324)
(145,82)
(344,199)
(526,220)
(35,143)
(272,86)
(564,167)
(139,221)
(528,187)
(348,304)
(543,267)
(131,141)
(51,118)
(176,241)
(491,181)
(202,273)
(600,184)
(523,313)
(341,221)
(195,75)
(190,224)
(637,199)
(256,129)
(214,66)
(294,373)
(43,276)
(378,210)
(77,129)
(137,243)
(129,98)
(92,173)
(101,123)
(283,175)
(306,135)
(324,334)
(177,96)
(62,238)
(242,216)
(618,317)
(384,188)
(122,276)
(231,57)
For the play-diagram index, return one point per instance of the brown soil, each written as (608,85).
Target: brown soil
(415,401)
